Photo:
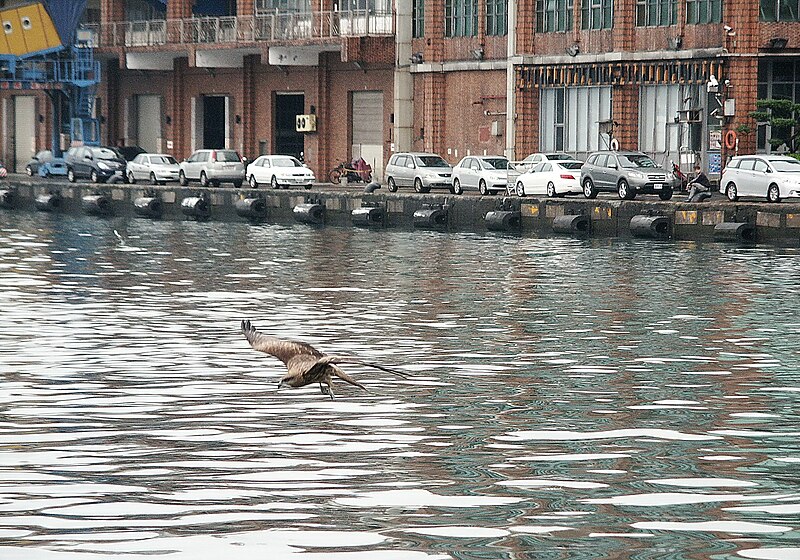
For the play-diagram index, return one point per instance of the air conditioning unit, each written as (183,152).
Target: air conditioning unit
(306,123)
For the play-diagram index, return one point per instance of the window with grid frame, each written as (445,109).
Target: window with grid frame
(597,14)
(780,10)
(703,11)
(496,17)
(418,18)
(655,13)
(553,15)
(461,18)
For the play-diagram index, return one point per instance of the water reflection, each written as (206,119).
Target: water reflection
(581,399)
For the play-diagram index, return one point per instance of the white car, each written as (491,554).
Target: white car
(553,178)
(279,171)
(771,177)
(156,168)
(487,174)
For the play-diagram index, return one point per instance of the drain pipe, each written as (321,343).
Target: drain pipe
(511,89)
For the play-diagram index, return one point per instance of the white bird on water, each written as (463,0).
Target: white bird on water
(304,363)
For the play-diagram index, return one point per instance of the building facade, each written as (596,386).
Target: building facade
(674,78)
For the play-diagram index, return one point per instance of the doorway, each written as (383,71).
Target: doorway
(215,121)
(287,140)
(24,130)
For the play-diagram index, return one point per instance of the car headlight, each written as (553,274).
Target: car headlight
(103,165)
(636,174)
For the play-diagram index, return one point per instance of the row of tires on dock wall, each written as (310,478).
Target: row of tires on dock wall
(429,216)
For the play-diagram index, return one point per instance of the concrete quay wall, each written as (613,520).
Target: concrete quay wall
(602,217)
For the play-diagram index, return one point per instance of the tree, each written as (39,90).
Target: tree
(783,116)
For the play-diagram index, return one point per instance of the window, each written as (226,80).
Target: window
(596,14)
(497,17)
(418,18)
(703,11)
(461,18)
(569,119)
(780,10)
(656,12)
(778,78)
(553,15)
(658,106)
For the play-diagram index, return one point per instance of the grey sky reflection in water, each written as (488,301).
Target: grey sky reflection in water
(572,399)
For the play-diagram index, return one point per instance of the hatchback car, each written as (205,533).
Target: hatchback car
(39,159)
(553,178)
(279,171)
(156,168)
(486,174)
(773,177)
(420,170)
(94,162)
(212,167)
(627,174)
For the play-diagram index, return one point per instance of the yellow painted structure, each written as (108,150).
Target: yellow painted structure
(27,30)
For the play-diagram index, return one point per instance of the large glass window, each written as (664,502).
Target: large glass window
(570,119)
(703,11)
(596,14)
(283,6)
(460,18)
(553,15)
(780,10)
(656,12)
(660,131)
(497,17)
(418,18)
(778,78)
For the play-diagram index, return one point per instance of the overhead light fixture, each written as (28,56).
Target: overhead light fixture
(417,58)
(777,43)
(478,53)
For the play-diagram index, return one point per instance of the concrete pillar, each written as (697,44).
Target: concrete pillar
(511,82)
(624,25)
(434,112)
(247,104)
(402,132)
(625,110)
(179,9)
(321,142)
(527,125)
(178,111)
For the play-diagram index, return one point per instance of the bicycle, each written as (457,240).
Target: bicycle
(353,175)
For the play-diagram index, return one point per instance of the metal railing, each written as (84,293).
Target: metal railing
(269,27)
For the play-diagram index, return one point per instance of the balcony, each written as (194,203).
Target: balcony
(266,27)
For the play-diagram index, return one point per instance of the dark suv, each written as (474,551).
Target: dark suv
(627,174)
(94,162)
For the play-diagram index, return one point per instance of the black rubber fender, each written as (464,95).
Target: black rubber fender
(503,220)
(97,204)
(737,232)
(251,208)
(49,202)
(148,207)
(309,213)
(196,207)
(573,224)
(430,218)
(367,216)
(654,227)
(7,197)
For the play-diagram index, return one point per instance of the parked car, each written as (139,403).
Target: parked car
(44,164)
(41,157)
(156,168)
(773,177)
(516,168)
(487,174)
(130,152)
(97,163)
(420,170)
(627,174)
(212,167)
(553,178)
(279,171)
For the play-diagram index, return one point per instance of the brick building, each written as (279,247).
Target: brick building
(455,77)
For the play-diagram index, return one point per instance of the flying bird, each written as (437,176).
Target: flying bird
(304,363)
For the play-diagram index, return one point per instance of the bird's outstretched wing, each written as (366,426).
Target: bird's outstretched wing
(324,360)
(284,350)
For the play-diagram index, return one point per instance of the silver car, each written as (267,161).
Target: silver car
(420,170)
(487,174)
(212,167)
(772,177)
(627,174)
(156,168)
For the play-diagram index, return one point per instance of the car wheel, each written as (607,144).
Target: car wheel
(773,193)
(482,188)
(418,185)
(589,190)
(130,179)
(457,187)
(71,175)
(730,192)
(237,184)
(203,179)
(274,182)
(665,195)
(28,171)
(520,189)
(625,191)
(253,182)
(551,190)
(182,178)
(95,177)
(153,180)
(390,185)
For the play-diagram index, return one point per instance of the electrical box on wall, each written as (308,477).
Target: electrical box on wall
(306,123)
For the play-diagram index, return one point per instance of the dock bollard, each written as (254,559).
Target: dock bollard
(739,232)
(367,216)
(251,208)
(656,227)
(309,213)
(96,204)
(148,207)
(573,224)
(196,207)
(503,220)
(6,198)
(48,202)
(430,218)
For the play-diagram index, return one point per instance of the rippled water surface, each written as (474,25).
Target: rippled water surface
(569,399)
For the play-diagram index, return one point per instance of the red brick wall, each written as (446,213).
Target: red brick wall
(625,110)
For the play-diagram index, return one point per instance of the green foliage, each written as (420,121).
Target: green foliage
(783,116)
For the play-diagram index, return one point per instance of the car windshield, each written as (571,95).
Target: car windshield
(495,163)
(228,155)
(163,160)
(571,165)
(558,157)
(636,160)
(431,161)
(105,153)
(785,165)
(286,162)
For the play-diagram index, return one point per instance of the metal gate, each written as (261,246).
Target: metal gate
(367,131)
(24,130)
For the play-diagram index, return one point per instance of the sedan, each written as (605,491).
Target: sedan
(772,177)
(486,174)
(553,178)
(156,168)
(279,171)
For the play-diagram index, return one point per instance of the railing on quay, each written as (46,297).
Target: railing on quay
(269,27)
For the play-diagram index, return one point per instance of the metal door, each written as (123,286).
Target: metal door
(24,130)
(367,129)
(148,122)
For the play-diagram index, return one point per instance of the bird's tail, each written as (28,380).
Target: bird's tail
(346,360)
(344,377)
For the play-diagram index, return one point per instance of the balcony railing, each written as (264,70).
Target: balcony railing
(270,27)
